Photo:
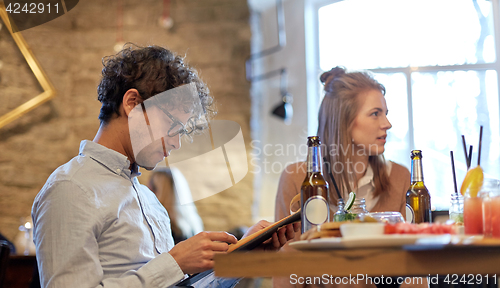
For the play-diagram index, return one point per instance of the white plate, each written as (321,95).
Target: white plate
(392,240)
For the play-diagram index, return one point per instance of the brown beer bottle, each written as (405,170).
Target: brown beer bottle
(314,190)
(418,199)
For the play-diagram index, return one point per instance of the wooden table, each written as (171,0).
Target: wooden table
(414,260)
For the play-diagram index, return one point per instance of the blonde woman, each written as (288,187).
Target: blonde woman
(353,128)
(172,189)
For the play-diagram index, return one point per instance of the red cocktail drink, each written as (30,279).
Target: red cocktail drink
(491,217)
(473,215)
(490,195)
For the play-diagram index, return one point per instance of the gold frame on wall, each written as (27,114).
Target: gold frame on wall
(49,91)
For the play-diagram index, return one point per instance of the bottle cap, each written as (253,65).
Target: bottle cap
(416,153)
(313,141)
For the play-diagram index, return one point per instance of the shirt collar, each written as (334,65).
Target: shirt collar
(111,159)
(367,178)
(366,186)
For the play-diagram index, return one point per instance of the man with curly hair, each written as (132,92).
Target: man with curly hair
(94,224)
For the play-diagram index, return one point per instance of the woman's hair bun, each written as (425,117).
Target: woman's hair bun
(332,74)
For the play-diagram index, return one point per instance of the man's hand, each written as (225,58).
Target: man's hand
(278,239)
(196,254)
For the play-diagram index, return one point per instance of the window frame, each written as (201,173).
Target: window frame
(313,63)
(314,87)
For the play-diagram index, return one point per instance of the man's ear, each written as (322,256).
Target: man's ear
(131,98)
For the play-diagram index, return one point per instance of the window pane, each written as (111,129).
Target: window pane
(367,34)
(446,105)
(397,147)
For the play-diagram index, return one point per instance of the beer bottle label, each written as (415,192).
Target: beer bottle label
(410,214)
(316,210)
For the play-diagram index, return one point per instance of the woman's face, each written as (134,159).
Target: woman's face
(369,128)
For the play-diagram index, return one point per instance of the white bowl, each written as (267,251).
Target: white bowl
(361,229)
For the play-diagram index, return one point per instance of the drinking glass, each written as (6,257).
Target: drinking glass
(473,215)
(456,211)
(490,195)
(387,217)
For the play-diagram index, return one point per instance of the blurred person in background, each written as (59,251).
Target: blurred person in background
(171,188)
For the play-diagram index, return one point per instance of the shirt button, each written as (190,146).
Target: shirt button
(118,171)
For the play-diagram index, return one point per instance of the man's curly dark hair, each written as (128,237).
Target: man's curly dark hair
(150,70)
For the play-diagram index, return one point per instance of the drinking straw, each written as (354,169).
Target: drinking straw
(333,179)
(480,144)
(470,157)
(453,169)
(465,152)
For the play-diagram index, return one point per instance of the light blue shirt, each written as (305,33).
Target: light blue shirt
(95,225)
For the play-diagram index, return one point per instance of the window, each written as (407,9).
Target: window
(439,63)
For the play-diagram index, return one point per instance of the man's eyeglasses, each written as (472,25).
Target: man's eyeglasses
(193,124)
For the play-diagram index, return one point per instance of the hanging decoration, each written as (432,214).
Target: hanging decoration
(119,27)
(49,91)
(165,20)
(1,63)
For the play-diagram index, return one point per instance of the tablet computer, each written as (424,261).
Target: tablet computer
(246,244)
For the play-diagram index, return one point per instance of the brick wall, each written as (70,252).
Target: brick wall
(213,34)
